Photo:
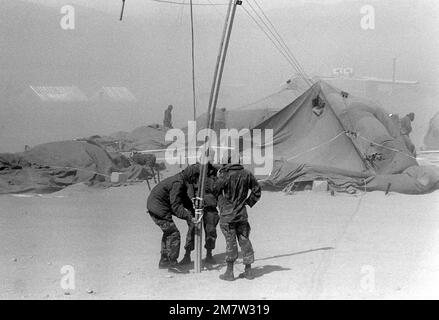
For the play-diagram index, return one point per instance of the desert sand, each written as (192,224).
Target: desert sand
(308,246)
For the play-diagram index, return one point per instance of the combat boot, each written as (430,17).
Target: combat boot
(228,275)
(209,258)
(186,259)
(248,273)
(164,262)
(174,267)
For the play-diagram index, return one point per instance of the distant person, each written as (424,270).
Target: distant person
(406,123)
(220,120)
(167,121)
(170,198)
(232,189)
(406,129)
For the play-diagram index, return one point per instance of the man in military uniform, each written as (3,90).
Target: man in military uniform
(167,120)
(406,129)
(210,220)
(234,183)
(220,121)
(168,198)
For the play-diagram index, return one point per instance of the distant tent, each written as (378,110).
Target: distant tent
(328,134)
(431,139)
(275,101)
(114,95)
(239,119)
(59,94)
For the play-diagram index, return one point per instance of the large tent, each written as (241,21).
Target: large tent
(328,134)
(239,118)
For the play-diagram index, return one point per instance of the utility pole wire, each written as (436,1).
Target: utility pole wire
(282,40)
(276,45)
(281,43)
(185,4)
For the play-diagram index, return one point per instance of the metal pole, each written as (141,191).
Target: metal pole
(193,61)
(123,8)
(229,32)
(218,61)
(215,87)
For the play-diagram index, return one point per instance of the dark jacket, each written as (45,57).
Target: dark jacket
(170,197)
(210,201)
(167,121)
(234,183)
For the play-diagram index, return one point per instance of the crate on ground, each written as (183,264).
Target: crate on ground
(118,177)
(320,186)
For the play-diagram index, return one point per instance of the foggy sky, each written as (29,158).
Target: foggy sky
(150,53)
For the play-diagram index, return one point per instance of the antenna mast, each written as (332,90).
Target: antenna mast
(213,99)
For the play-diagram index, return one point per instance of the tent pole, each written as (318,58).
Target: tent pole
(229,32)
(193,60)
(211,116)
(123,8)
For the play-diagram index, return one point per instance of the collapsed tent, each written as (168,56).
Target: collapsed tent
(328,134)
(150,137)
(414,180)
(431,139)
(238,119)
(52,166)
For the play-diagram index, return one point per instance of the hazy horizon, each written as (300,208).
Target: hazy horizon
(149,52)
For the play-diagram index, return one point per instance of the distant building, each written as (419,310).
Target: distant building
(55,94)
(114,95)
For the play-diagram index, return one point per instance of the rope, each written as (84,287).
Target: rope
(281,42)
(185,4)
(260,100)
(386,147)
(318,146)
(347,133)
(216,9)
(323,267)
(302,71)
(276,43)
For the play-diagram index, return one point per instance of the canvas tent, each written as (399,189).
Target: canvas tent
(331,135)
(114,95)
(239,119)
(151,137)
(59,94)
(52,166)
(251,114)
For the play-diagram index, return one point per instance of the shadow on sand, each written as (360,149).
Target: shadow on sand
(295,253)
(259,271)
(263,270)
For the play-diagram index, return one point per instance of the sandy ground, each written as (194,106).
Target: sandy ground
(308,246)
